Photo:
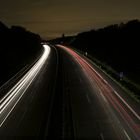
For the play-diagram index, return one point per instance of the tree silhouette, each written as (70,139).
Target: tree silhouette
(18,47)
(117,45)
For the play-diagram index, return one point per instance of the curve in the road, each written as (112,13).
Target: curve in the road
(9,101)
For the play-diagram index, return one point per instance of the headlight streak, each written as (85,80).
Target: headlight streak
(9,101)
(109,94)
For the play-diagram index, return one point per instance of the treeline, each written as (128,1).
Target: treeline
(18,47)
(115,45)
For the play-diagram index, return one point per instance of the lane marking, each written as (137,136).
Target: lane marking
(102,136)
(136,115)
(70,51)
(127,135)
(105,81)
(23,84)
(103,96)
(13,107)
(88,99)
(80,79)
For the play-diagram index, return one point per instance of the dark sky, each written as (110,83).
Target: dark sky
(51,18)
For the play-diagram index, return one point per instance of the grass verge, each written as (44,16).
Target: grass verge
(130,87)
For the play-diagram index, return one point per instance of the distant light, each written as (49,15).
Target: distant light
(46,51)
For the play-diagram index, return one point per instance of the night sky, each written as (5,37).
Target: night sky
(51,18)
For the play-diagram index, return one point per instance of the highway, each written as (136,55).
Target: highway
(63,96)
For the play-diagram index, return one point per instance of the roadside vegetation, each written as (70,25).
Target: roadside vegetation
(115,49)
(18,48)
(130,87)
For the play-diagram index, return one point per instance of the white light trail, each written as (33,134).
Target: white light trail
(10,100)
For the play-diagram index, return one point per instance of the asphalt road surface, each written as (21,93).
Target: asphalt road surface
(65,97)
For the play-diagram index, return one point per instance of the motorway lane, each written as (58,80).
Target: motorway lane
(115,85)
(122,117)
(87,113)
(68,100)
(89,117)
(30,115)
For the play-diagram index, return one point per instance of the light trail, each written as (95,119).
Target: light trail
(109,95)
(10,100)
